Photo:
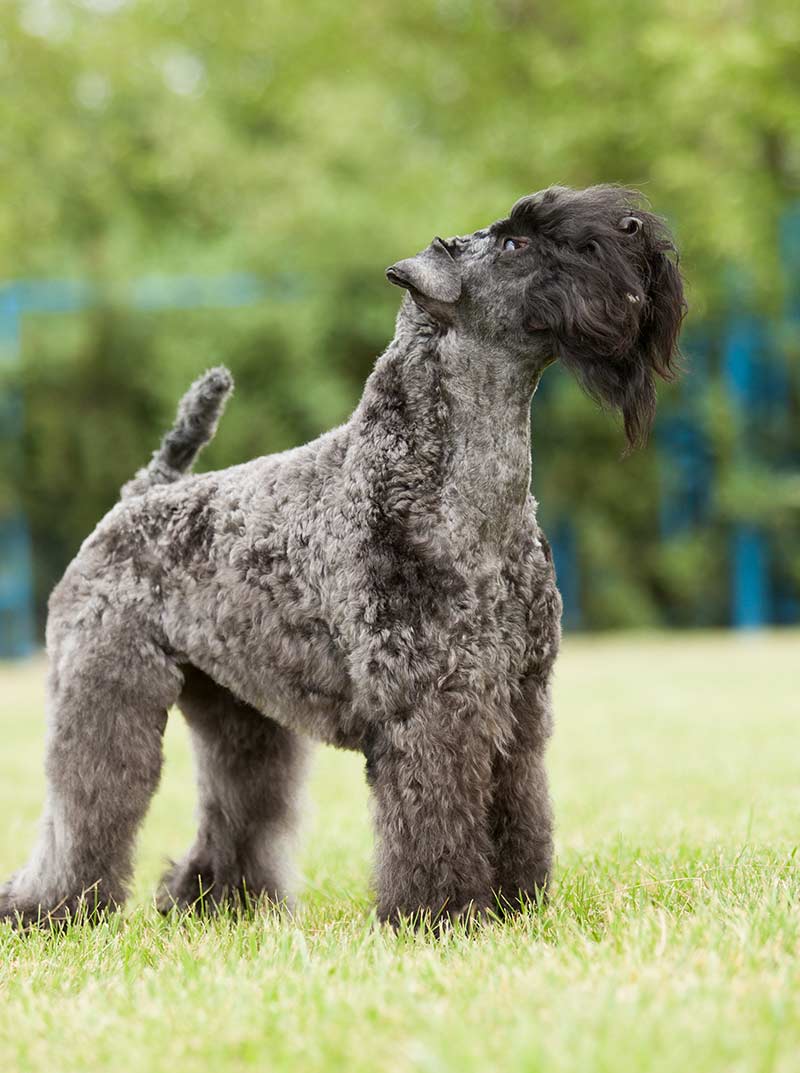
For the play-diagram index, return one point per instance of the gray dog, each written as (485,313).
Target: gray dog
(385,588)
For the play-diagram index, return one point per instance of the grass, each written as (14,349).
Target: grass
(671,942)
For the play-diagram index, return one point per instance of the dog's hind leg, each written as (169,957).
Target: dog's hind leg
(521,815)
(249,770)
(108,696)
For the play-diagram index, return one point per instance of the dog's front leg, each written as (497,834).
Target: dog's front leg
(521,816)
(430,780)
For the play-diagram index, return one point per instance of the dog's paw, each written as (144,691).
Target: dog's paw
(14,910)
(510,900)
(6,904)
(465,914)
(23,914)
(190,886)
(194,886)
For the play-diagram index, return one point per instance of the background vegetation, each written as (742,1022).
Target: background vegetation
(312,144)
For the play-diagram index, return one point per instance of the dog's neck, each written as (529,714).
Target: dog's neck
(455,413)
(489,467)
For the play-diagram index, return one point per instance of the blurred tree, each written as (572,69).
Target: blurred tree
(319,142)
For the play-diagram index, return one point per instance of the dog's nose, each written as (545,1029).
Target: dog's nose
(396,275)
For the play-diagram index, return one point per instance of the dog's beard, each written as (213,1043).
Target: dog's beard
(624,386)
(617,348)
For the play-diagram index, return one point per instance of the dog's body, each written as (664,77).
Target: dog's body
(385,588)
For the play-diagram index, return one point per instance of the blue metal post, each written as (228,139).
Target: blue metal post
(565,558)
(788,596)
(685,463)
(16,572)
(750,572)
(749,552)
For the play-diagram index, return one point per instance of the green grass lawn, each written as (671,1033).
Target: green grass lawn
(672,940)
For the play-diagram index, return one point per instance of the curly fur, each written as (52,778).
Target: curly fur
(385,588)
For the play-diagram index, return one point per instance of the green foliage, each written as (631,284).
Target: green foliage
(319,142)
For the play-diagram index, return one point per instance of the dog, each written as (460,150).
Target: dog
(385,588)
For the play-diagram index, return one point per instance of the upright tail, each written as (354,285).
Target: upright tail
(195,424)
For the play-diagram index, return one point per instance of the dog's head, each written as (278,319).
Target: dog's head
(587,276)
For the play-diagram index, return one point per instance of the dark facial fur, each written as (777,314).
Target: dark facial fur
(595,283)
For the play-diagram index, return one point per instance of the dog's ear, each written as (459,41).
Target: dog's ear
(432,274)
(663,313)
(616,324)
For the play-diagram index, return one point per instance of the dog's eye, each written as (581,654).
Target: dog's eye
(630,224)
(514,244)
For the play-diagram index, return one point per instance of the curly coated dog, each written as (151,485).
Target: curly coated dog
(385,588)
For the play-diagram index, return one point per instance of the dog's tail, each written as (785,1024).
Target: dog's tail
(195,424)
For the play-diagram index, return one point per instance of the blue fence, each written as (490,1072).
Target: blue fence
(743,348)
(25,298)
(758,392)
